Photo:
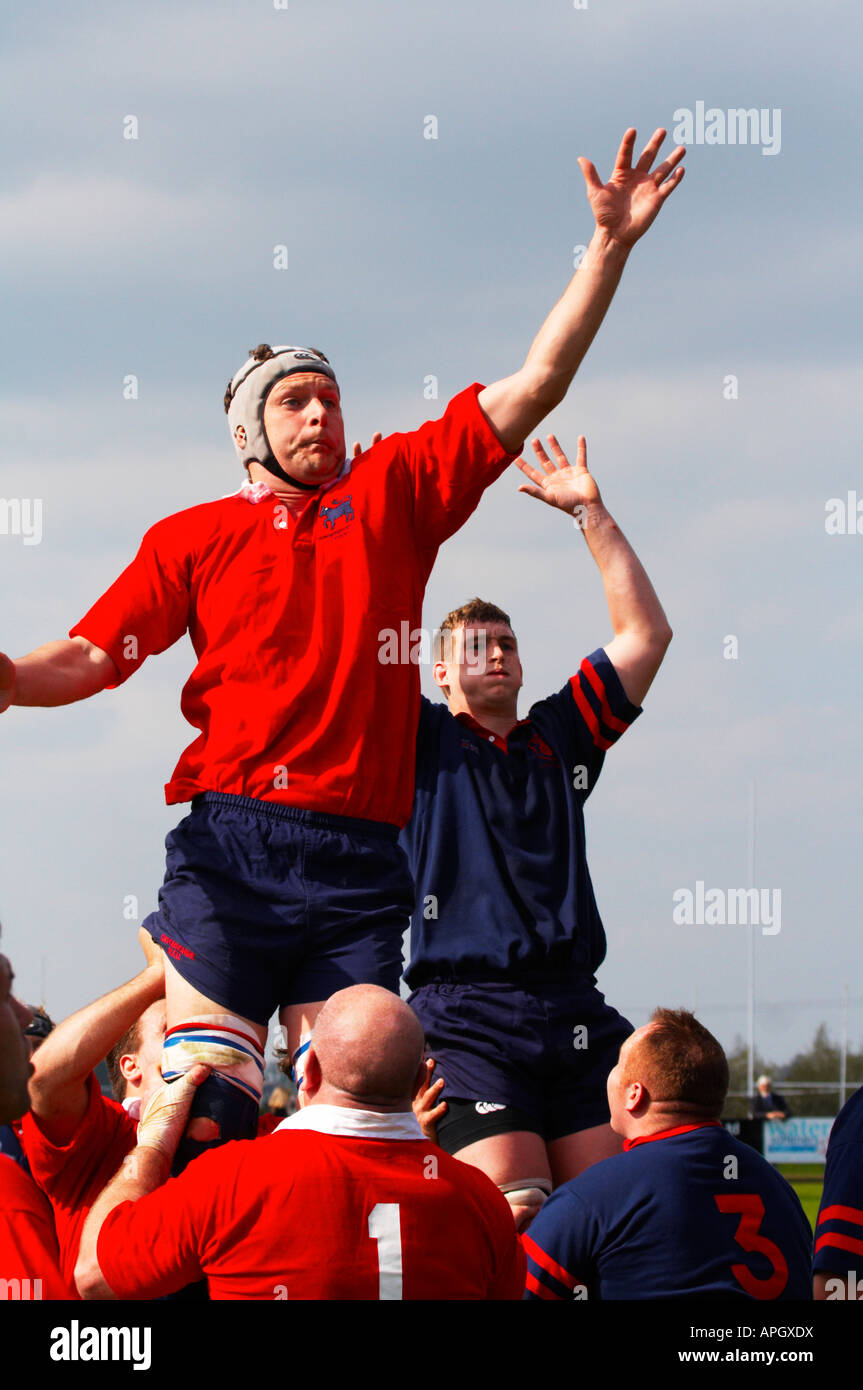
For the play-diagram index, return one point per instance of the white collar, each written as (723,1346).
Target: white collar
(252,492)
(354,1124)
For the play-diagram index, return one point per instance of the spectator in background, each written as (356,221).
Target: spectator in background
(767,1104)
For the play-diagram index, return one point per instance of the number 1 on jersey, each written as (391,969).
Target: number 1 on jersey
(385,1228)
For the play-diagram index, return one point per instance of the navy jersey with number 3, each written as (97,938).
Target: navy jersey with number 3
(690,1211)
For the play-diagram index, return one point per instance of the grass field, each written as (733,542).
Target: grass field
(807,1180)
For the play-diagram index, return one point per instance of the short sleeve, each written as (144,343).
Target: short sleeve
(451,462)
(146,609)
(151,1247)
(559,1246)
(587,717)
(65,1171)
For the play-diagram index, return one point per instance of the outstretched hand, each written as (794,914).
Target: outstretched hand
(560,484)
(626,205)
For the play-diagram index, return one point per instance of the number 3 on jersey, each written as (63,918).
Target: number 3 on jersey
(751,1209)
(385,1228)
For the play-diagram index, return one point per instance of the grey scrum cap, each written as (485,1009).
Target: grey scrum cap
(249,390)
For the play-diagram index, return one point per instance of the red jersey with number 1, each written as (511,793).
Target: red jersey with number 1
(306,628)
(336,1204)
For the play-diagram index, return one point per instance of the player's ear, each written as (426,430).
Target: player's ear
(439,675)
(636,1096)
(312,1076)
(128,1067)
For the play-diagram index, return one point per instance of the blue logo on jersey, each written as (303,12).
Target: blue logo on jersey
(331,514)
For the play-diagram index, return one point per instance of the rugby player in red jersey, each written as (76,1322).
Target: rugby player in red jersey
(346,1200)
(286,882)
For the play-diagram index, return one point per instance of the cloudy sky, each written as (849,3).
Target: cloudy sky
(720,402)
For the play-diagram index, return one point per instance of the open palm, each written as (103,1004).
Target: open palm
(560,484)
(626,205)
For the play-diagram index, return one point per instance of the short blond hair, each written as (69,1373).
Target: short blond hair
(476,610)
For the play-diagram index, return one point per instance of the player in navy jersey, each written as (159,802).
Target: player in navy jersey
(506,936)
(686,1210)
(838,1261)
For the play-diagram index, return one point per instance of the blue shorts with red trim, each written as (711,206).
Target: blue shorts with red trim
(265,905)
(543,1048)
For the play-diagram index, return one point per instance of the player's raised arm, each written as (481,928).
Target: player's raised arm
(63,1063)
(624,208)
(641,630)
(59,673)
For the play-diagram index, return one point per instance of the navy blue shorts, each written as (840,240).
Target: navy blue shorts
(265,905)
(545,1051)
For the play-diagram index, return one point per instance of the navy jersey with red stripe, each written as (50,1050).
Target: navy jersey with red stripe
(839,1230)
(496,838)
(689,1211)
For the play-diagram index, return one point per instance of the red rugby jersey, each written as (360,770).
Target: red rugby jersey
(289,619)
(73,1174)
(336,1204)
(29,1264)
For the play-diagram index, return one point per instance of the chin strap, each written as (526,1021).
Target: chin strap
(279,472)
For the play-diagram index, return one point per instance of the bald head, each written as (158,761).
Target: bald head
(369,1048)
